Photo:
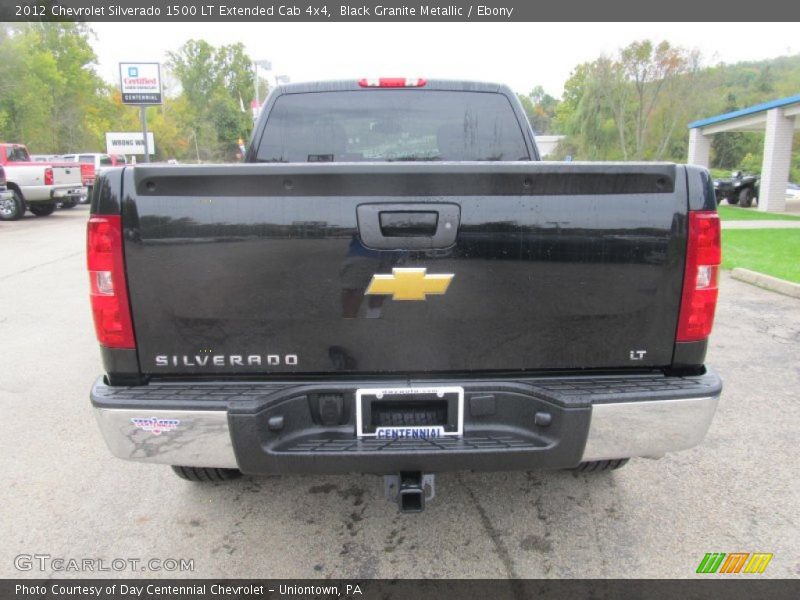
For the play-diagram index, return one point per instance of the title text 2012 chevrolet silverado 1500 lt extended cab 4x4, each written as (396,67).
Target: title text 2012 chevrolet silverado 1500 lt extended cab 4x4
(396,285)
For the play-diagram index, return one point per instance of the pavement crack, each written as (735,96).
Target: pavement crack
(500,547)
(598,538)
(44,264)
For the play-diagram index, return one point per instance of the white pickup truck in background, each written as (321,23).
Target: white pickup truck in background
(38,186)
(7,200)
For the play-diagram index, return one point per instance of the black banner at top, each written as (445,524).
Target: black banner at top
(396,10)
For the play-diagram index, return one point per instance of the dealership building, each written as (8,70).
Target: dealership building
(778,120)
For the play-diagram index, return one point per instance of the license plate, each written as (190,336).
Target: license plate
(449,401)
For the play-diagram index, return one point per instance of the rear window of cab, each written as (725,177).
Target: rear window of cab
(392,125)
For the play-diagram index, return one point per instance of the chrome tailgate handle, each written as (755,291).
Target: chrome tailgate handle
(408,226)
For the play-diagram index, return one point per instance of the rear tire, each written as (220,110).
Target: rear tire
(12,209)
(42,209)
(69,203)
(746,198)
(206,474)
(597,466)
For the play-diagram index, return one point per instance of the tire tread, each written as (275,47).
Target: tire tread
(597,466)
(19,203)
(206,474)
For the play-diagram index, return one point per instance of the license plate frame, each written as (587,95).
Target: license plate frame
(424,393)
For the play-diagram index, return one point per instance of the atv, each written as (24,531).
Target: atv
(738,189)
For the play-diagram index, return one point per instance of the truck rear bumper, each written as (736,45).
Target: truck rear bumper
(73,191)
(508,425)
(49,193)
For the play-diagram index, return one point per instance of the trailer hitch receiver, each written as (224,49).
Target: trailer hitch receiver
(410,489)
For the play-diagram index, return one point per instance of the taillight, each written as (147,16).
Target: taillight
(392,82)
(87,173)
(703,257)
(107,288)
(48,176)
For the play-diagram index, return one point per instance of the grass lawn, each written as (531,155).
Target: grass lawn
(734,213)
(773,252)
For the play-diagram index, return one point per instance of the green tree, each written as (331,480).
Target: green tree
(171,124)
(729,148)
(540,108)
(75,91)
(27,72)
(51,97)
(194,65)
(642,95)
(217,84)
(586,116)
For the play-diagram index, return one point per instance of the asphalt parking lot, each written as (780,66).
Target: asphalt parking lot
(65,496)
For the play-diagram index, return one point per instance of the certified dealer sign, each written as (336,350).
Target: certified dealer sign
(140,83)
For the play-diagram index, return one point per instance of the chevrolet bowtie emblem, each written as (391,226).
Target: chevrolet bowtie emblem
(409,284)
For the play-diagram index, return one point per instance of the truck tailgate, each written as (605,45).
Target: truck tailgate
(264,268)
(67,175)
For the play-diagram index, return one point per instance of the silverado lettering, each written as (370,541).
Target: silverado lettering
(458,303)
(219,360)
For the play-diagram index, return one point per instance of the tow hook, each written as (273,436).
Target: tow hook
(410,489)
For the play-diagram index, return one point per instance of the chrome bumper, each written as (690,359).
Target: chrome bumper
(46,193)
(648,428)
(59,193)
(202,438)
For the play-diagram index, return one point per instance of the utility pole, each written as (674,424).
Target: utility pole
(143,118)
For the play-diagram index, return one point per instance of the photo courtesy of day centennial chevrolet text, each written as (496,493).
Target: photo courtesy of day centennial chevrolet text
(394,283)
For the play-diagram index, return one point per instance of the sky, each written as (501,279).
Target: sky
(521,55)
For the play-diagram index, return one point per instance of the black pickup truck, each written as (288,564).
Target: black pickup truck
(394,284)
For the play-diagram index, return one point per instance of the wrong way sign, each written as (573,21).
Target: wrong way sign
(129,142)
